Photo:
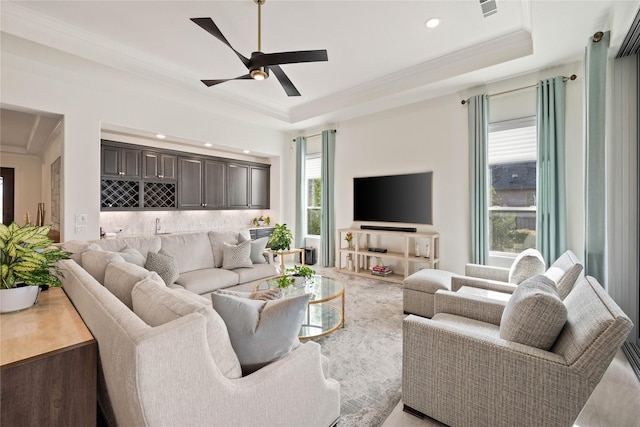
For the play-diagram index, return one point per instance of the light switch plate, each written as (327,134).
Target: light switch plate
(81,218)
(81,229)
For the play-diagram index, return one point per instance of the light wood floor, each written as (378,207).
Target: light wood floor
(614,402)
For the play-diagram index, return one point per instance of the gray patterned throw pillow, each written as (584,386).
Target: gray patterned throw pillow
(164,264)
(236,256)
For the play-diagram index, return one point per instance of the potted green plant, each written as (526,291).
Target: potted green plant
(303,272)
(27,261)
(285,281)
(280,239)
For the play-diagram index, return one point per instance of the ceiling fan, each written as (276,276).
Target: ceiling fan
(260,64)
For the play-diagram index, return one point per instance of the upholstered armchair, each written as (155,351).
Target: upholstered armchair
(527,264)
(536,367)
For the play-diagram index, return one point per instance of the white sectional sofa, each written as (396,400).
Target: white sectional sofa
(199,257)
(167,360)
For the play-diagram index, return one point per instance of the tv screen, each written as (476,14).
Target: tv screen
(393,198)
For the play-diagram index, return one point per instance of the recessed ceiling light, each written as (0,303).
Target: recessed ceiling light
(432,23)
(160,136)
(246,151)
(208,144)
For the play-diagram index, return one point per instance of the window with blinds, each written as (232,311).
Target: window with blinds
(512,157)
(313,166)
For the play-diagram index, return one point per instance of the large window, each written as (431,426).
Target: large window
(314,194)
(512,157)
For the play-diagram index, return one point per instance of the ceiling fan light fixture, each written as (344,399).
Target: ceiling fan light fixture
(259,74)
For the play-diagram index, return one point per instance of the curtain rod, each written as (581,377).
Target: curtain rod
(564,79)
(316,134)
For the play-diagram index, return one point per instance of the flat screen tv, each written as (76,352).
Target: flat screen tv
(394,198)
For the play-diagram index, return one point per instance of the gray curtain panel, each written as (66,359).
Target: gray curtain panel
(595,180)
(551,233)
(327,226)
(301,209)
(479,177)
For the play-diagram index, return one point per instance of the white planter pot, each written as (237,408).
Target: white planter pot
(15,299)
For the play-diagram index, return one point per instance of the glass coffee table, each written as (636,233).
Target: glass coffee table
(321,318)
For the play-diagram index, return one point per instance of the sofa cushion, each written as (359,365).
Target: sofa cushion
(527,264)
(207,280)
(77,247)
(257,248)
(121,277)
(259,271)
(96,261)
(157,305)
(261,331)
(534,315)
(236,256)
(191,250)
(164,264)
(217,239)
(143,244)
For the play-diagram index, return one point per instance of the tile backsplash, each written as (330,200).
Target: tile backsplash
(144,222)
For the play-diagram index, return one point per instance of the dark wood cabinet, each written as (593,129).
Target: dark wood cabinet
(248,186)
(48,365)
(238,185)
(201,184)
(120,162)
(260,195)
(135,178)
(159,166)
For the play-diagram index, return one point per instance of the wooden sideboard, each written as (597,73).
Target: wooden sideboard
(48,365)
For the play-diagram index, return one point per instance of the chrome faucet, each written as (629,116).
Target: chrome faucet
(157,225)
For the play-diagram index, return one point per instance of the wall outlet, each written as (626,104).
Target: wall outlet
(81,229)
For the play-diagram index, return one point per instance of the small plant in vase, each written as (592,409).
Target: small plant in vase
(280,239)
(349,238)
(285,281)
(27,259)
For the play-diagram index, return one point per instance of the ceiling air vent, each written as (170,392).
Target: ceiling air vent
(489,7)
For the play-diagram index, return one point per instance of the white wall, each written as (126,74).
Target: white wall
(89,95)
(51,153)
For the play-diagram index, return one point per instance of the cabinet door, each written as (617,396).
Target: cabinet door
(214,184)
(150,165)
(110,161)
(238,188)
(259,187)
(130,163)
(168,167)
(190,183)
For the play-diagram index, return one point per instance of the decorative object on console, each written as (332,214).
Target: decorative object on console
(349,238)
(261,221)
(26,258)
(280,239)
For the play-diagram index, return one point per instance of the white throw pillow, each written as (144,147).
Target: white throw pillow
(265,295)
(164,264)
(156,305)
(236,256)
(257,250)
(77,247)
(133,256)
(261,331)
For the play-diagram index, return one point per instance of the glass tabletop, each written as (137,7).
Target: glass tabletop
(321,288)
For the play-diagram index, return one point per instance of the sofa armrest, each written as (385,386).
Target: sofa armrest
(500,274)
(491,285)
(470,306)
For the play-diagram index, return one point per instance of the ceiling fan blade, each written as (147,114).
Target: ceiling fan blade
(210,83)
(288,87)
(208,25)
(259,59)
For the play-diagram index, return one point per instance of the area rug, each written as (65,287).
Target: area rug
(366,355)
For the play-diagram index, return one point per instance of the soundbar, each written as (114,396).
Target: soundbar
(388,228)
(381,250)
